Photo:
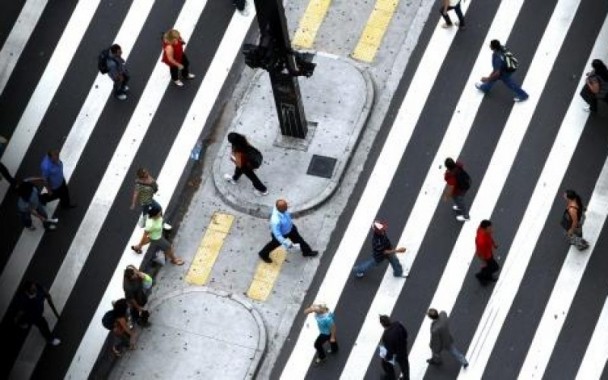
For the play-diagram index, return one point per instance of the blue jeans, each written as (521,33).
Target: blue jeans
(462,208)
(370,263)
(26,217)
(454,352)
(506,79)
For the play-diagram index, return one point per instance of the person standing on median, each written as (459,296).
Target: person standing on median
(327,331)
(246,159)
(501,70)
(394,341)
(484,247)
(458,182)
(383,249)
(441,339)
(283,232)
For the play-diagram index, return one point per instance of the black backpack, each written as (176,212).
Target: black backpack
(108,320)
(254,157)
(463,179)
(511,63)
(102,61)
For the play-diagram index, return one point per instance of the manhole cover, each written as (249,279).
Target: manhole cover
(321,166)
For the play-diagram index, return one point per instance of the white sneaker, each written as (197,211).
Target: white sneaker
(587,108)
(167,227)
(259,193)
(517,99)
(190,76)
(55,342)
(121,97)
(53,220)
(178,83)
(455,208)
(478,86)
(461,218)
(51,227)
(229,178)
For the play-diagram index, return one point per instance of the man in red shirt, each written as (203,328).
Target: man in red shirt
(484,246)
(455,188)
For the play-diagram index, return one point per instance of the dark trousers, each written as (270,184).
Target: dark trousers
(239,4)
(458,11)
(589,97)
(6,174)
(486,272)
(185,71)
(119,85)
(42,325)
(62,193)
(249,173)
(389,369)
(295,238)
(321,339)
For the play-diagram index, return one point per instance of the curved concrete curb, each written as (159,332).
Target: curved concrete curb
(183,338)
(277,158)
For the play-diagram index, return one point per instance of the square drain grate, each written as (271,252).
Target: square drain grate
(321,166)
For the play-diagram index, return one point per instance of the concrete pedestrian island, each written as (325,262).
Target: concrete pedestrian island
(337,102)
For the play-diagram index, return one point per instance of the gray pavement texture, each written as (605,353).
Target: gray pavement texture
(215,331)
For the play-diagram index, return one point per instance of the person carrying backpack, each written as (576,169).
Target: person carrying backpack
(504,64)
(246,159)
(458,182)
(117,321)
(110,62)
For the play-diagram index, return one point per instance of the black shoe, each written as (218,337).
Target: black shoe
(311,253)
(266,259)
(433,362)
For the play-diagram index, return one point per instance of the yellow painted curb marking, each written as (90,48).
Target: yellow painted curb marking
(374,30)
(310,22)
(209,248)
(266,275)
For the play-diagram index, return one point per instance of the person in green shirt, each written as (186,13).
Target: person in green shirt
(153,234)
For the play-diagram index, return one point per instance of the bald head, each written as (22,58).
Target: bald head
(281,205)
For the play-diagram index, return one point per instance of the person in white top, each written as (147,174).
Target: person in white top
(448,5)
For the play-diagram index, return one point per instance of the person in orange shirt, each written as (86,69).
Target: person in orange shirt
(484,247)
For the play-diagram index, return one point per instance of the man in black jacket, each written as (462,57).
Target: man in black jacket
(394,340)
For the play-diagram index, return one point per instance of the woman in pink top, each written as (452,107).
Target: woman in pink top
(175,58)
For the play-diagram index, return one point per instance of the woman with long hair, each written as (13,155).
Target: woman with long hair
(573,219)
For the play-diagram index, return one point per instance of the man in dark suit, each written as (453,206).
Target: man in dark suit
(394,340)
(441,339)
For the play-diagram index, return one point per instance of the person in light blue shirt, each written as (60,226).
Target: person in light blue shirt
(283,232)
(52,172)
(327,330)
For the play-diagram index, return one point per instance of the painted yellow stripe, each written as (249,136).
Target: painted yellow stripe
(266,275)
(310,23)
(209,249)
(374,30)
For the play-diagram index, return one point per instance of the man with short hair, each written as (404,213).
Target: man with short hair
(117,70)
(382,249)
(484,247)
(394,341)
(283,232)
(454,190)
(441,339)
(31,309)
(499,72)
(52,172)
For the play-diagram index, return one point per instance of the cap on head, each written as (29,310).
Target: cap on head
(379,226)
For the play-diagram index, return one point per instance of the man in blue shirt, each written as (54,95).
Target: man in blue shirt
(500,72)
(283,232)
(52,172)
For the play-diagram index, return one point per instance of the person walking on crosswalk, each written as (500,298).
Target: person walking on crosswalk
(458,183)
(175,57)
(503,66)
(153,234)
(29,203)
(596,85)
(52,172)
(327,331)
(394,348)
(117,70)
(448,5)
(382,249)
(143,193)
(573,219)
(484,247)
(283,232)
(30,310)
(442,340)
